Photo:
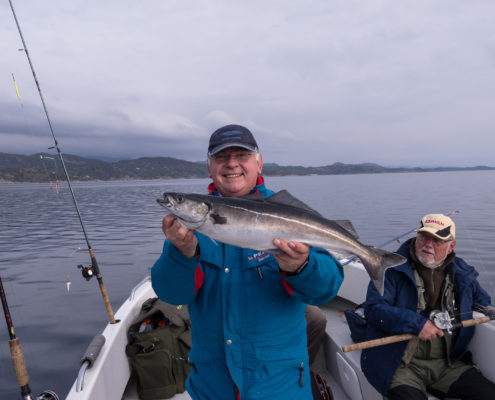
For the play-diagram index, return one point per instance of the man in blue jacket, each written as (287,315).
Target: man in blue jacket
(433,278)
(248,328)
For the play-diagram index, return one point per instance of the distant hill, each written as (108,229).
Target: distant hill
(47,167)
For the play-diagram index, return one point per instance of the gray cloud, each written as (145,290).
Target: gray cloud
(396,83)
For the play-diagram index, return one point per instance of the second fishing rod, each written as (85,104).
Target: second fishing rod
(92,270)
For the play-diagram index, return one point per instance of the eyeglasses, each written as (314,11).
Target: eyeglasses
(436,241)
(240,156)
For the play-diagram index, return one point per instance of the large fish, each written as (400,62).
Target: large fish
(253,222)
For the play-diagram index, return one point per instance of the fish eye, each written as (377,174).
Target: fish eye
(180,198)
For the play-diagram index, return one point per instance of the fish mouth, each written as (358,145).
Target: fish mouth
(165,202)
(169,201)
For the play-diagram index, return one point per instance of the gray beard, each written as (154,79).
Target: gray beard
(430,264)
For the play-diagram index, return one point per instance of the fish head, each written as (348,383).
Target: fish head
(191,212)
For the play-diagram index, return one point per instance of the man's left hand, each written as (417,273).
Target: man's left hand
(294,255)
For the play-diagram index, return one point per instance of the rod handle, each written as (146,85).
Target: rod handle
(19,363)
(405,336)
(377,342)
(103,290)
(475,321)
(106,300)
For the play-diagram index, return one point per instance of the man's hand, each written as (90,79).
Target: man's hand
(489,311)
(430,331)
(294,255)
(182,238)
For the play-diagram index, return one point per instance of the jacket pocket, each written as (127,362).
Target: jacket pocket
(155,374)
(290,376)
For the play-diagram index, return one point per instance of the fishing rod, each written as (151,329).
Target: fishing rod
(396,238)
(93,269)
(407,336)
(17,356)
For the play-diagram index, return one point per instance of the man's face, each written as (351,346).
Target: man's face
(235,170)
(431,251)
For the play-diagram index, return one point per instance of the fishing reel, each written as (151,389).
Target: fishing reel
(87,272)
(442,320)
(47,395)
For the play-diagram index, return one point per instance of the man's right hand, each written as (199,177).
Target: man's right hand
(489,311)
(430,331)
(182,238)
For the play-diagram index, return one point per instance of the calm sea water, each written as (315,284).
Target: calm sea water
(40,236)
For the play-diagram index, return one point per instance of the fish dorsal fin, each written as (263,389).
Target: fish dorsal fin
(285,198)
(347,225)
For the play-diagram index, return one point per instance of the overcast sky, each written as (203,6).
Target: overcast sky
(391,82)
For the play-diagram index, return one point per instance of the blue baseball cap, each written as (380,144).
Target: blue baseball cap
(231,136)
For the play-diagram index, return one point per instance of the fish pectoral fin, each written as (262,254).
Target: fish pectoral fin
(218,219)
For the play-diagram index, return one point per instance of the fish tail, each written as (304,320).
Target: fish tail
(378,264)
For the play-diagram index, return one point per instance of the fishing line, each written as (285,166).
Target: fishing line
(75,251)
(93,270)
(55,172)
(27,119)
(30,129)
(46,169)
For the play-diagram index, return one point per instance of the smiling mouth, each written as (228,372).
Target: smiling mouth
(233,175)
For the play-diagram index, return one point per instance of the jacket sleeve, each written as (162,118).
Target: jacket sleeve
(394,312)
(173,276)
(481,298)
(320,281)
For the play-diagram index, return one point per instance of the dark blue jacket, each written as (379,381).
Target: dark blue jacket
(396,313)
